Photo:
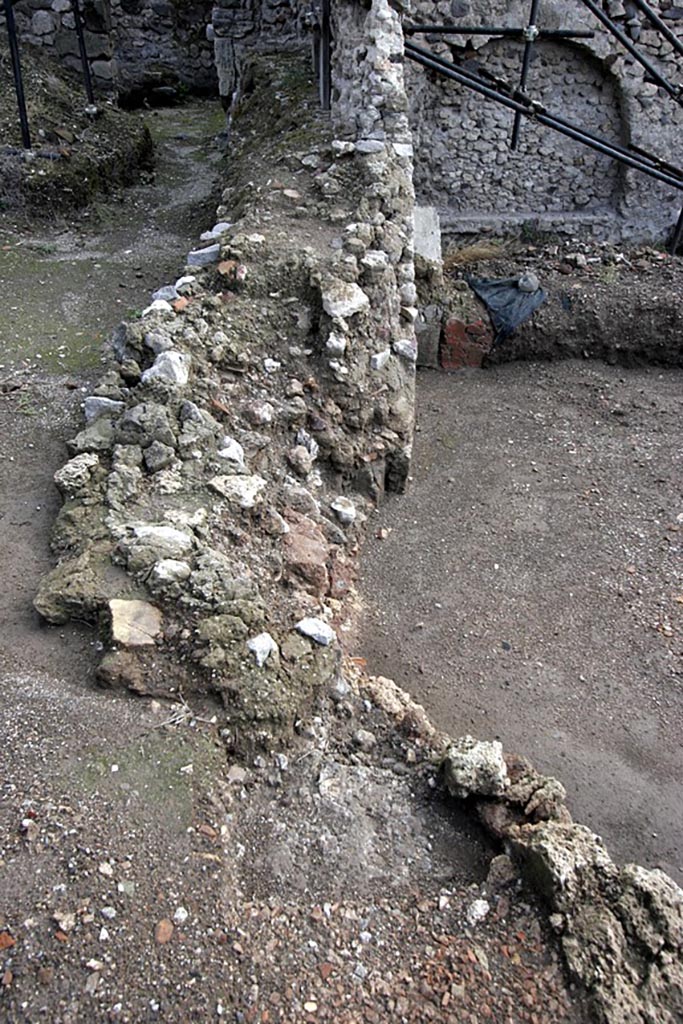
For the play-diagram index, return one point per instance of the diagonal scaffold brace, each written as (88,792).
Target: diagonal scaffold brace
(656,76)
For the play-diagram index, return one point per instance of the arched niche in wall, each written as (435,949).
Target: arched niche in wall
(463,162)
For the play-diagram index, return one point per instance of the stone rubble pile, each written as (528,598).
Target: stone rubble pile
(620,928)
(217,491)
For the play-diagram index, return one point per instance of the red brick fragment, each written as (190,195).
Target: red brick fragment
(465,344)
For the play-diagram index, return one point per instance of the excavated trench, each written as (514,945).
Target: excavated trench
(71,279)
(66,283)
(527,588)
(534,516)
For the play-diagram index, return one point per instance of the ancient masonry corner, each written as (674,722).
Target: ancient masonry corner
(217,494)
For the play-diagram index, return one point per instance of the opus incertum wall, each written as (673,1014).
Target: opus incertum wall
(463,163)
(133,46)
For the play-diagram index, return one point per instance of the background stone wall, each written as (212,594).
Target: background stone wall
(50,24)
(463,162)
(162,43)
(134,46)
(248,26)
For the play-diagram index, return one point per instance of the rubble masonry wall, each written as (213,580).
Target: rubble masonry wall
(132,45)
(464,165)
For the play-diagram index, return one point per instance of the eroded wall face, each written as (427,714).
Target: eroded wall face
(371,268)
(132,45)
(464,165)
(245,26)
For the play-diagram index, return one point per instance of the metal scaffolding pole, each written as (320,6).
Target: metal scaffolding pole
(678,231)
(529,36)
(673,90)
(659,23)
(491,30)
(16,71)
(87,78)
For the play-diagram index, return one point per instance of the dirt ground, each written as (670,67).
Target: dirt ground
(145,877)
(529,587)
(71,280)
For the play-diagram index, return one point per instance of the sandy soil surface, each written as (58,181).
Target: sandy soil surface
(529,586)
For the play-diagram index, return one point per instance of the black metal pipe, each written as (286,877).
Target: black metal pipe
(677,234)
(533,108)
(570,131)
(87,78)
(657,76)
(490,30)
(659,23)
(655,159)
(325,56)
(16,71)
(530,35)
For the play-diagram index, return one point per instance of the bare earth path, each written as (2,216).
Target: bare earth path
(530,586)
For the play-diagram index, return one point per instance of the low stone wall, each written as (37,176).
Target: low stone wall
(207,526)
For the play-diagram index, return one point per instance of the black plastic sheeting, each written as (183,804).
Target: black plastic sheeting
(508,305)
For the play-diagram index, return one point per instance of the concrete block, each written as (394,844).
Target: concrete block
(428,234)
(428,340)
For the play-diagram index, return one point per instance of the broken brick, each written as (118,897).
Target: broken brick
(465,344)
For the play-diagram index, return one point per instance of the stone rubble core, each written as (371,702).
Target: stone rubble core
(218,492)
(206,525)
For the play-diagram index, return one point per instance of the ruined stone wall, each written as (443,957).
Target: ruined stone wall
(464,165)
(372,269)
(50,25)
(134,46)
(241,27)
(259,406)
(162,43)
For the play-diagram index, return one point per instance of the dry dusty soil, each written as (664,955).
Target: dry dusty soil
(530,589)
